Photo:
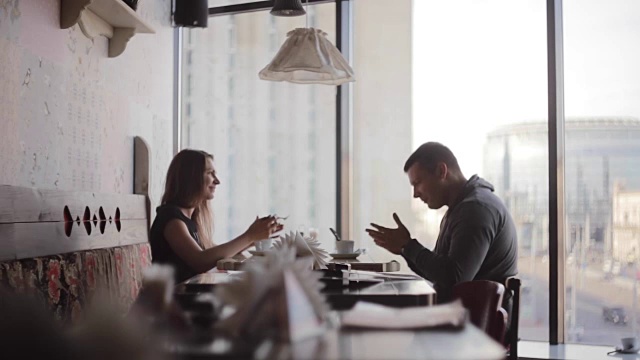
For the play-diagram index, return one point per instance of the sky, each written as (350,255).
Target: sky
(481,64)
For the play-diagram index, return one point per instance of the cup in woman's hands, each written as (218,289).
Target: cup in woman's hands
(344,246)
(263,245)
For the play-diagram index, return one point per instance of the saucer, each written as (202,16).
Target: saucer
(257,253)
(345,256)
(628,351)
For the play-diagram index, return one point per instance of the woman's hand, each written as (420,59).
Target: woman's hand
(263,228)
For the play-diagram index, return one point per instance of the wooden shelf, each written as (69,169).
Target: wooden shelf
(111,18)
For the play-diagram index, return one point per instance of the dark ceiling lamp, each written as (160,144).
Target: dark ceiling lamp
(287,8)
(191,13)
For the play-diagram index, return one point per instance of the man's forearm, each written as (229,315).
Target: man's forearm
(426,263)
(413,267)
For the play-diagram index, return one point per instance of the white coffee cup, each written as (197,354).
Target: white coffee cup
(629,343)
(263,245)
(344,246)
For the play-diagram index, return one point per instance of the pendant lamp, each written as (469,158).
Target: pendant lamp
(308,57)
(287,8)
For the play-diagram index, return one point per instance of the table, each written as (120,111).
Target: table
(391,292)
(347,343)
(398,293)
(440,344)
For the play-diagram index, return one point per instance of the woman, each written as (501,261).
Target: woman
(181,232)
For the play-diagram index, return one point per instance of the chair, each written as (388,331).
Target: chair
(483,299)
(511,340)
(500,326)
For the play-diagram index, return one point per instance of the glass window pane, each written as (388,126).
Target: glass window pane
(473,76)
(381,118)
(602,178)
(273,143)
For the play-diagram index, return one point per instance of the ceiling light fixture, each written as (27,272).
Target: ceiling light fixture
(287,8)
(307,57)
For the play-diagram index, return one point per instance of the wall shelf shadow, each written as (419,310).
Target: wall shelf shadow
(110,18)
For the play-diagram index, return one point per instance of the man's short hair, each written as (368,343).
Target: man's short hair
(429,155)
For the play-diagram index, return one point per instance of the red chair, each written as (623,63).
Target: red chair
(511,341)
(483,299)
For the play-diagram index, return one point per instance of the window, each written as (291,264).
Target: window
(382,125)
(189,87)
(482,91)
(232,34)
(602,169)
(462,80)
(261,133)
(470,74)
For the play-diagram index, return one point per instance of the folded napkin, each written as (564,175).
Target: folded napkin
(371,315)
(278,294)
(304,247)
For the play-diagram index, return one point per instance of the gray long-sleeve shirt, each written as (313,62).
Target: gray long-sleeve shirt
(477,241)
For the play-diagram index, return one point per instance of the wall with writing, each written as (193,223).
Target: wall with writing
(68,113)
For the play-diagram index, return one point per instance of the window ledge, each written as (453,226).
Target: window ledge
(543,350)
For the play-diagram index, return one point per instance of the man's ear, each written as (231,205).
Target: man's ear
(442,171)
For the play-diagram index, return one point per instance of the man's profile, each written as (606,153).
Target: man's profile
(477,238)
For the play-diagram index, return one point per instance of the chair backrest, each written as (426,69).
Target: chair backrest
(499,328)
(483,299)
(64,247)
(512,336)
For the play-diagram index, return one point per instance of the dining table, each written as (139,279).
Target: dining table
(341,293)
(344,342)
(466,343)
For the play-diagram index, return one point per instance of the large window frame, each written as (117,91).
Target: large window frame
(344,138)
(556,121)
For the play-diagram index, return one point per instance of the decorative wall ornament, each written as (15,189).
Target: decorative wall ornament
(99,218)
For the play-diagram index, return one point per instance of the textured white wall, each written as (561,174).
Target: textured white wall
(68,113)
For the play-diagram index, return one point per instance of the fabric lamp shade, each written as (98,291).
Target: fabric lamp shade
(308,57)
(287,8)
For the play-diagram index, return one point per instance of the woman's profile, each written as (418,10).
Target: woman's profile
(181,234)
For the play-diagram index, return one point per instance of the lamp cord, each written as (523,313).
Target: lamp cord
(306,14)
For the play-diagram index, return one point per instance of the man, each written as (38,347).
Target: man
(477,239)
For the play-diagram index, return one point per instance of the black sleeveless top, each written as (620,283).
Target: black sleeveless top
(161,251)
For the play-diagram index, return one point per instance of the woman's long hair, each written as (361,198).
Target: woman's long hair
(184,187)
